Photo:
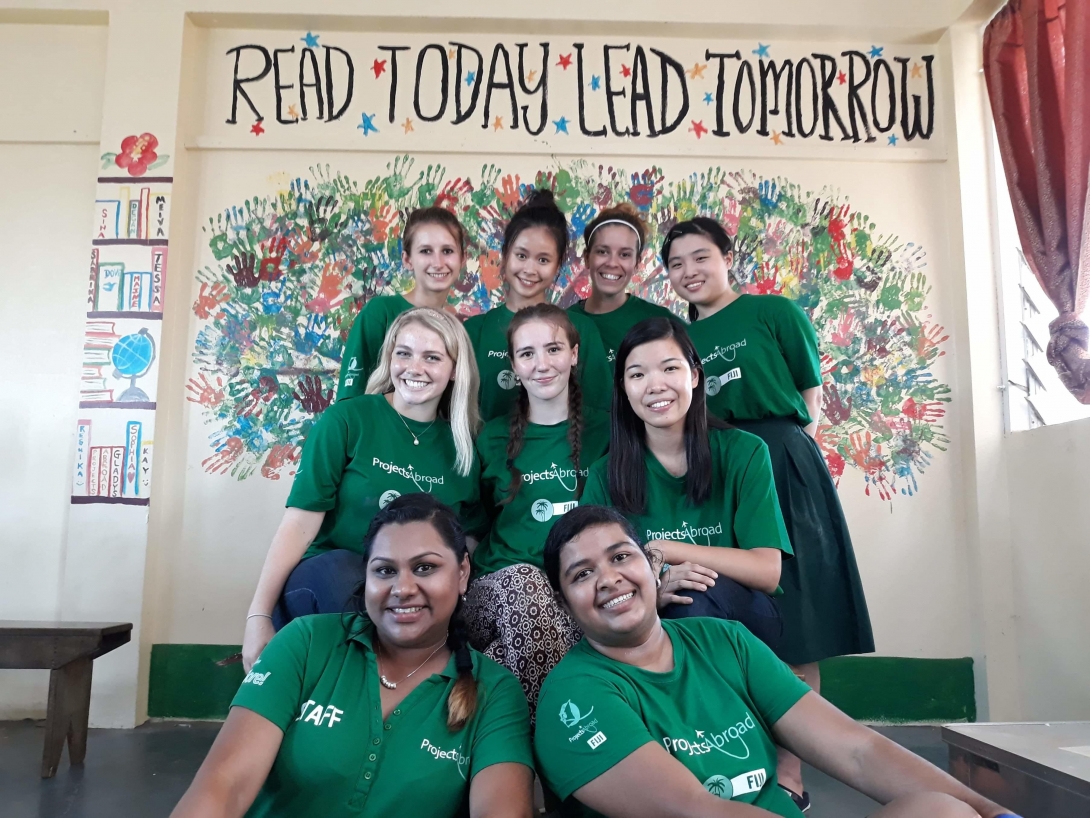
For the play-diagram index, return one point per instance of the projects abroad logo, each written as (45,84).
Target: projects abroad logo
(571,716)
(727,353)
(423,482)
(688,533)
(456,755)
(566,477)
(730,742)
(507,379)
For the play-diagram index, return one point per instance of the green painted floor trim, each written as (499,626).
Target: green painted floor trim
(186,683)
(896,690)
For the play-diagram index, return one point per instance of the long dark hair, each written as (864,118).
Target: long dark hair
(574,523)
(628,437)
(539,210)
(520,413)
(710,229)
(424,508)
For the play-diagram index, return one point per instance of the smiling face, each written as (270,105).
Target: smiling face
(611,258)
(420,367)
(659,383)
(699,273)
(413,584)
(609,586)
(435,258)
(531,263)
(543,359)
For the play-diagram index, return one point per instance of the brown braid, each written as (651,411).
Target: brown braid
(520,414)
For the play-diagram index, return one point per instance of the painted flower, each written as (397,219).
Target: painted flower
(137,153)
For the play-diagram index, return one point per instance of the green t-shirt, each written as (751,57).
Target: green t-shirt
(519,528)
(713,712)
(488,332)
(759,353)
(742,510)
(359,456)
(322,690)
(613,326)
(365,342)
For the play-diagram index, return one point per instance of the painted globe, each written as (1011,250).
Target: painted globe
(133,354)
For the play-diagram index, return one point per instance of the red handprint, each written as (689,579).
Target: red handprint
(835,462)
(331,290)
(927,412)
(836,409)
(203,392)
(381,219)
(279,457)
(827,363)
(451,192)
(844,334)
(224,457)
(313,398)
(243,270)
(490,269)
(929,340)
(826,439)
(264,392)
(272,254)
(509,192)
(865,453)
(209,299)
(768,280)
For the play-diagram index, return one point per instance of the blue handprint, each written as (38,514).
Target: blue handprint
(770,194)
(581,216)
(309,336)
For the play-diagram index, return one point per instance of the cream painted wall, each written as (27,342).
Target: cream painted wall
(48,160)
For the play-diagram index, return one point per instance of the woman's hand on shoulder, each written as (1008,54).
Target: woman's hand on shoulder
(687,576)
(259,632)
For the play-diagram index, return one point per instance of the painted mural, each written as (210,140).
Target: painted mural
(292,270)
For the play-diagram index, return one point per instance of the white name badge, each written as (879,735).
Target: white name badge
(748,782)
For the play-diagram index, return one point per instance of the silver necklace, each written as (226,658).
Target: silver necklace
(416,440)
(393,685)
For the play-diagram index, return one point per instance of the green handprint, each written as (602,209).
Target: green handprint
(396,186)
(918,290)
(890,296)
(429,182)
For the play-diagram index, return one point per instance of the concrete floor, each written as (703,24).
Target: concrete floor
(143,772)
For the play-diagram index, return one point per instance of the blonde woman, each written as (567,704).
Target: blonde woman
(411,432)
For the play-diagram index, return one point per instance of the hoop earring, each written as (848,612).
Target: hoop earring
(658,582)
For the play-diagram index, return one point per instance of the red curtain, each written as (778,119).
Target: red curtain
(1037,66)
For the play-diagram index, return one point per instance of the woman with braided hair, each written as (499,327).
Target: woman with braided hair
(533,465)
(380,711)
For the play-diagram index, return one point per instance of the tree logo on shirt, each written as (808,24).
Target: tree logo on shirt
(542,511)
(712,386)
(507,379)
(570,714)
(719,785)
(388,497)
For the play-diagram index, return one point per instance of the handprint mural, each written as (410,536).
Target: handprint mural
(289,273)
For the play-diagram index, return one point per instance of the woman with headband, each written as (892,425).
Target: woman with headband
(535,243)
(760,356)
(612,243)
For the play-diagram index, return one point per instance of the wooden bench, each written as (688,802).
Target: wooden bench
(67,650)
(1037,769)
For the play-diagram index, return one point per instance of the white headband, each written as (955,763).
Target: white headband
(629,225)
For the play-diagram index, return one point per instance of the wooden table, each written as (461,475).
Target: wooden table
(1037,769)
(67,650)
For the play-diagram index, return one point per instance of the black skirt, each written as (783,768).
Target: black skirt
(823,607)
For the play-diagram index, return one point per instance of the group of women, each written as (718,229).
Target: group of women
(634,567)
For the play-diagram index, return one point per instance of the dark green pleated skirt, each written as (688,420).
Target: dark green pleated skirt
(823,607)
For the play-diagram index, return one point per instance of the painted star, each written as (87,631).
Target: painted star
(367,124)
(408,124)
(761,50)
(564,61)
(697,71)
(497,123)
(378,66)
(842,78)
(777,138)
(561,125)
(708,98)
(893,139)
(311,40)
(876,52)
(471,77)
(595,82)
(530,76)
(698,128)
(916,69)
(256,128)
(625,71)
(451,53)
(293,111)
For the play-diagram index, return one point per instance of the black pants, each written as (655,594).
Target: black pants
(728,599)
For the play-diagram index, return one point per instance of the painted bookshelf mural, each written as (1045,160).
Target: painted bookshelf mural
(125,293)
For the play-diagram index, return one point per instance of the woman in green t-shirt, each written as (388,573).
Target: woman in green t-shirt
(381,711)
(702,494)
(646,717)
(763,373)
(532,472)
(613,242)
(535,246)
(434,246)
(412,431)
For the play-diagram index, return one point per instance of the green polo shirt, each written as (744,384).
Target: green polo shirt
(360,455)
(488,332)
(742,510)
(713,712)
(365,342)
(759,353)
(339,758)
(519,528)
(613,326)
